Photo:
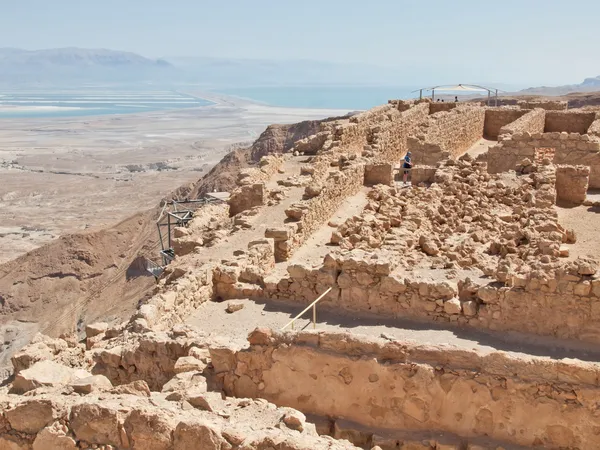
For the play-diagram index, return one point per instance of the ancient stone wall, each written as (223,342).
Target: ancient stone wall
(251,191)
(531,122)
(309,214)
(422,174)
(381,173)
(247,197)
(452,133)
(389,138)
(572,183)
(369,284)
(570,148)
(435,107)
(399,385)
(548,105)
(496,118)
(570,121)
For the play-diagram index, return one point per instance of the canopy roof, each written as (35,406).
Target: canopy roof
(458,88)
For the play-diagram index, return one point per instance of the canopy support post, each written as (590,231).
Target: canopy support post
(421,94)
(432,94)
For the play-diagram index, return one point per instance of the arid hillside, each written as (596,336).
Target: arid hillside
(80,278)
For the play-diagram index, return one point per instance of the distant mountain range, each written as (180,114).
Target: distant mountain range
(588,85)
(69,65)
(75,64)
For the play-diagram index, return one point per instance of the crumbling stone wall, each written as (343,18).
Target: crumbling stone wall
(446,133)
(572,183)
(251,191)
(496,118)
(548,105)
(400,385)
(435,107)
(309,214)
(531,122)
(247,197)
(522,303)
(382,173)
(569,148)
(570,121)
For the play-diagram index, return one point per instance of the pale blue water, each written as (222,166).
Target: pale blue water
(92,102)
(331,97)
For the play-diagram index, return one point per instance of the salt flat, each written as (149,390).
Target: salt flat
(64,174)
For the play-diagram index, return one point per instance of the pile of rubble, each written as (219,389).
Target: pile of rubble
(148,392)
(466,218)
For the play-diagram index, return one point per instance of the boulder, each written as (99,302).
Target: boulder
(46,373)
(31,416)
(452,306)
(192,435)
(54,438)
(428,246)
(96,424)
(91,384)
(188,364)
(138,388)
(470,308)
(206,401)
(95,329)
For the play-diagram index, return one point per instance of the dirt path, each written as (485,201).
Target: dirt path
(212,318)
(316,247)
(267,217)
(585,220)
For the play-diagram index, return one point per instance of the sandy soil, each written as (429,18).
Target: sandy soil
(63,175)
(212,318)
(585,220)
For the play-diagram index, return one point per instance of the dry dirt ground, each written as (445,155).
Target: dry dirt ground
(63,175)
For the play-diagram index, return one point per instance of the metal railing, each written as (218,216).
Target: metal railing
(313,305)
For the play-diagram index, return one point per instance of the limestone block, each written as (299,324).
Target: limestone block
(95,329)
(96,424)
(54,438)
(91,384)
(452,306)
(31,416)
(46,373)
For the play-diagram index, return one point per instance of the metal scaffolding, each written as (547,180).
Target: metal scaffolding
(177,213)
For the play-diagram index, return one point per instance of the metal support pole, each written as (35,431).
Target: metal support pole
(169,229)
(496,97)
(314,316)
(432,94)
(489,102)
(421,94)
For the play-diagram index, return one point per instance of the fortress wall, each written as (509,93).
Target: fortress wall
(435,107)
(572,183)
(394,385)
(452,132)
(251,189)
(383,131)
(570,148)
(309,214)
(496,118)
(548,105)
(565,305)
(569,121)
(530,122)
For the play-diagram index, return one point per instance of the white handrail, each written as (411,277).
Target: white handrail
(314,306)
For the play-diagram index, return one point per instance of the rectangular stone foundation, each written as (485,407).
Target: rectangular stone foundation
(400,385)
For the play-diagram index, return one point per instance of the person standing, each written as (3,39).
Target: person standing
(407,165)
(456,99)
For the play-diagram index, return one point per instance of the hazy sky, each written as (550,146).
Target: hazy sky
(513,41)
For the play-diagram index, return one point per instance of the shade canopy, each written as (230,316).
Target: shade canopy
(458,88)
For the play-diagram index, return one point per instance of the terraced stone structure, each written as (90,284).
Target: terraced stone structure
(461,312)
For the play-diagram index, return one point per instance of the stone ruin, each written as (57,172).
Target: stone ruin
(472,247)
